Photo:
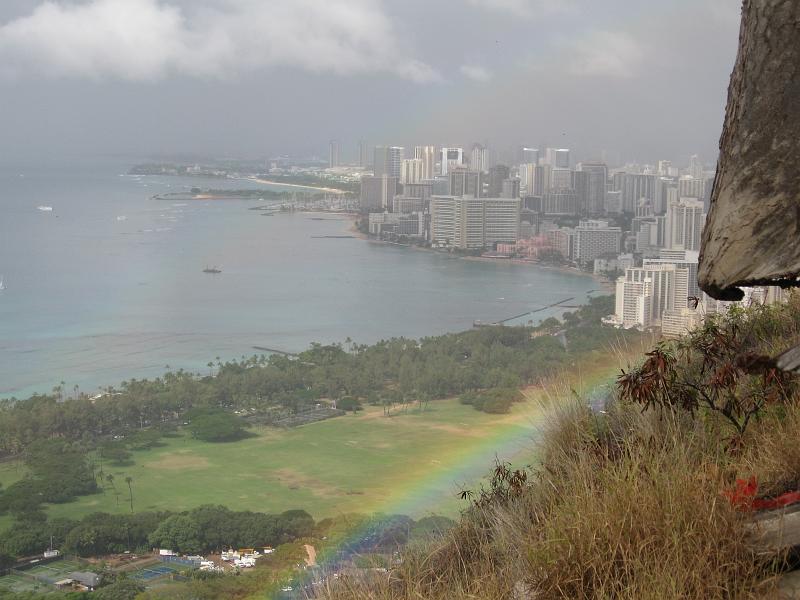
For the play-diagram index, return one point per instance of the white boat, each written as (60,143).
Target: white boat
(122,218)
(45,208)
(2,284)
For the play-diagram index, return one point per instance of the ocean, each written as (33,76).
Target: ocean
(109,285)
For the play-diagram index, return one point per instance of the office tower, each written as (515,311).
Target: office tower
(645,293)
(696,170)
(464,182)
(411,171)
(613,202)
(666,190)
(422,190)
(684,226)
(427,154)
(562,201)
(388,160)
(634,187)
(377,193)
(689,187)
(593,238)
(527,178)
(478,158)
(440,185)
(387,224)
(443,220)
(561,179)
(333,154)
(596,186)
(580,183)
(664,167)
(558,158)
(408,204)
(682,259)
(510,188)
(473,223)
(451,157)
(497,175)
(501,220)
(530,156)
(363,154)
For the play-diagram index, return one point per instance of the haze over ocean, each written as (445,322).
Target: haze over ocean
(109,285)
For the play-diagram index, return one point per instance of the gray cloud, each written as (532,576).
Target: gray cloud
(641,81)
(527,8)
(475,72)
(148,40)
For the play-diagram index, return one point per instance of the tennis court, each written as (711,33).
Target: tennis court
(55,570)
(153,572)
(18,584)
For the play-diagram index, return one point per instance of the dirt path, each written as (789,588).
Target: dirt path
(311,561)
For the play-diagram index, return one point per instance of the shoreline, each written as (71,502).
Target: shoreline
(606,286)
(327,190)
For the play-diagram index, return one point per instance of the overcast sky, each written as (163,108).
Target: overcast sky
(638,80)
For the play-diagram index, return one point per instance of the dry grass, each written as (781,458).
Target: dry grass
(625,505)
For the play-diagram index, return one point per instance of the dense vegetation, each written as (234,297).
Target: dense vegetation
(391,372)
(641,500)
(203,529)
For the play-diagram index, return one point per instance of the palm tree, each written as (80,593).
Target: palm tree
(110,479)
(129,481)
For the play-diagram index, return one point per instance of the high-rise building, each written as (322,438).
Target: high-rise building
(596,185)
(411,171)
(422,190)
(530,156)
(333,154)
(696,169)
(634,187)
(645,293)
(527,178)
(561,179)
(497,175)
(689,187)
(665,192)
(593,238)
(613,202)
(427,154)
(388,160)
(684,224)
(465,182)
(377,193)
(471,223)
(664,167)
(558,158)
(363,154)
(510,188)
(478,158)
(451,157)
(562,201)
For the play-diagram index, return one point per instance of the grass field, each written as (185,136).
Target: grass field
(411,463)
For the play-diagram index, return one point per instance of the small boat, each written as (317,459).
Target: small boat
(2,284)
(212,270)
(122,218)
(45,208)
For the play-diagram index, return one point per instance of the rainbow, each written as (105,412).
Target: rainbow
(419,491)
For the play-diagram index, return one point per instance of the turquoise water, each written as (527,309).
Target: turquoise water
(109,285)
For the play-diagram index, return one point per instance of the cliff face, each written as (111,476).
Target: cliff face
(751,233)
